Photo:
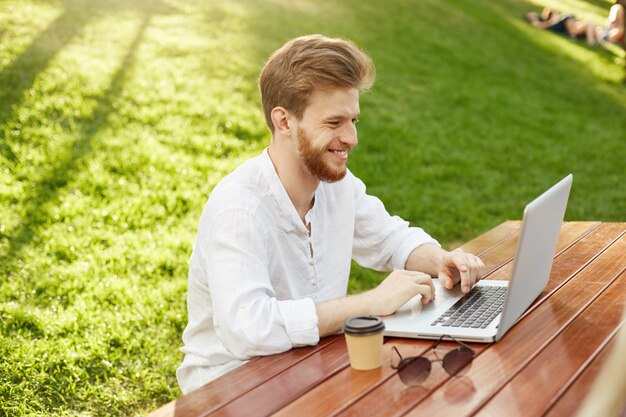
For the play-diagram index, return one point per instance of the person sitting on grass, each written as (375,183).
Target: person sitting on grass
(614,31)
(269,270)
(564,24)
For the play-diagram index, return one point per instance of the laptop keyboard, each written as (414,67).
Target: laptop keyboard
(477,309)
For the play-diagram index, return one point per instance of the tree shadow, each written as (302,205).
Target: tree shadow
(23,71)
(48,188)
(21,74)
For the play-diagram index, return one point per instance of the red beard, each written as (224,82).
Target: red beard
(314,160)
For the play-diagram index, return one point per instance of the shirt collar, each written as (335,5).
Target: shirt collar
(288,216)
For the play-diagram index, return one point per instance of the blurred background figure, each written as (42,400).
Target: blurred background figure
(564,24)
(614,31)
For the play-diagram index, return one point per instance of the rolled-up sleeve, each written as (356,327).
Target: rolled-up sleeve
(248,317)
(381,241)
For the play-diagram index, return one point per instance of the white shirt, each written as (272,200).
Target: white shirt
(256,274)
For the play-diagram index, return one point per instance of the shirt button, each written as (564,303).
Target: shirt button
(311,261)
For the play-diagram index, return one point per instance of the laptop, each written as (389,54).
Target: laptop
(492,307)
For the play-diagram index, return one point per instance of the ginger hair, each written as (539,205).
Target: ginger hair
(308,63)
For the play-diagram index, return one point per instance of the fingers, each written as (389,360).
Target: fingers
(470,267)
(399,287)
(446,280)
(425,287)
(461,264)
(426,292)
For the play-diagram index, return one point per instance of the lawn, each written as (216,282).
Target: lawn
(118,117)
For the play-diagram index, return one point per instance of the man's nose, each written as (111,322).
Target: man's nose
(349,136)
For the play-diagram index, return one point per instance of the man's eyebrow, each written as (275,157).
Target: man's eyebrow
(340,116)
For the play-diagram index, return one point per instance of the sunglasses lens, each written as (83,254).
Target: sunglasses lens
(457,359)
(414,371)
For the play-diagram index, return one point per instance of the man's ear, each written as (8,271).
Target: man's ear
(280,119)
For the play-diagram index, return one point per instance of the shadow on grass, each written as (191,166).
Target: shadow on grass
(48,188)
(23,71)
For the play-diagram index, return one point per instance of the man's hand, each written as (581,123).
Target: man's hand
(460,266)
(398,288)
(395,290)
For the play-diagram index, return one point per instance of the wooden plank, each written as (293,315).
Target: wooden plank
(574,393)
(495,367)
(348,385)
(391,398)
(495,236)
(496,251)
(293,382)
(498,254)
(572,261)
(510,230)
(596,237)
(552,368)
(570,233)
(238,381)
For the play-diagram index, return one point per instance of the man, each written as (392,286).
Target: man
(270,267)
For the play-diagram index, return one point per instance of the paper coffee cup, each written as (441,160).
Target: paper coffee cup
(364,338)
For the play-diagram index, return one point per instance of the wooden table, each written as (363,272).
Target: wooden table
(544,365)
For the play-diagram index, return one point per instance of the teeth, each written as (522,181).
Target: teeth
(344,153)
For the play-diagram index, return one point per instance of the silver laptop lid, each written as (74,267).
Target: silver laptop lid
(536,248)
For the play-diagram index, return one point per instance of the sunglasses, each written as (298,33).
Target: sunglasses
(414,370)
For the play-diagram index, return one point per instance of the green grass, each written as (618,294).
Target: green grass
(117,119)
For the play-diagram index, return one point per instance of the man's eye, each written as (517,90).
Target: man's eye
(333,123)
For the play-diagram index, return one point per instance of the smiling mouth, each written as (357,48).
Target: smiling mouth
(340,153)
